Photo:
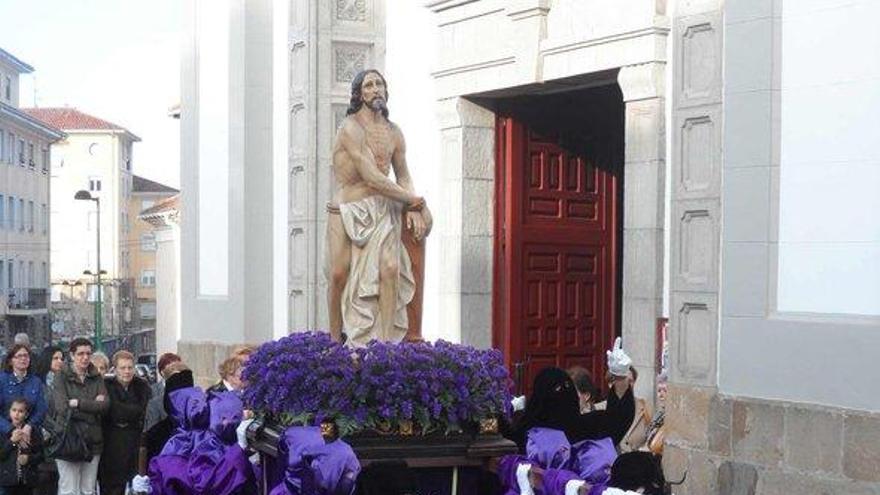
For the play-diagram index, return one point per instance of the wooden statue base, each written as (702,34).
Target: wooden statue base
(452,452)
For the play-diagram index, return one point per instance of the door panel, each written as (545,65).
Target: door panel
(556,257)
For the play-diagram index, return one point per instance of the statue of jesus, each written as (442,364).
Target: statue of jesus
(372,220)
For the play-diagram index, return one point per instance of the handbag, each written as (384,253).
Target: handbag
(70,444)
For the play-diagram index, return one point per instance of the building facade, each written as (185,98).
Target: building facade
(25,227)
(741,171)
(606,166)
(164,218)
(143,245)
(96,157)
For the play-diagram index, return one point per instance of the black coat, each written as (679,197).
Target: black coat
(9,459)
(123,425)
(90,411)
(158,434)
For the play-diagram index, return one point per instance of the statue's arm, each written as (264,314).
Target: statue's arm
(420,222)
(353,141)
(398,161)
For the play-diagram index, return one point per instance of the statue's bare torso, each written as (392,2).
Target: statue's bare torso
(378,142)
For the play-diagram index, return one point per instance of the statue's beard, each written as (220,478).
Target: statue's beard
(377,104)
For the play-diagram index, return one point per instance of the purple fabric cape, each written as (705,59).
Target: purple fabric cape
(226,413)
(315,467)
(195,461)
(507,473)
(555,480)
(588,460)
(547,448)
(592,460)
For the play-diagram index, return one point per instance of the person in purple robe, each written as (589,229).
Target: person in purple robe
(314,467)
(198,459)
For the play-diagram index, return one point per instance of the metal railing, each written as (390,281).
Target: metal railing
(25,298)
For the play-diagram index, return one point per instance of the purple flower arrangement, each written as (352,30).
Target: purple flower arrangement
(306,378)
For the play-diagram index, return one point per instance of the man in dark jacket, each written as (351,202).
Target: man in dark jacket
(123,423)
(81,390)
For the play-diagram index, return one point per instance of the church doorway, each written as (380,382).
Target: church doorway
(558,229)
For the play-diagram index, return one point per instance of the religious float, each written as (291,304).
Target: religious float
(435,406)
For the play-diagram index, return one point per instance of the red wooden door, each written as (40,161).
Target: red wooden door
(555,277)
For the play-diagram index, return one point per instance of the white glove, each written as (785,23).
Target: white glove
(518,403)
(522,479)
(573,487)
(141,484)
(618,361)
(241,433)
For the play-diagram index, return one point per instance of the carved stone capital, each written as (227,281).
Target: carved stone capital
(642,81)
(524,9)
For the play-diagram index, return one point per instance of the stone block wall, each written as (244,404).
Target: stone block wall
(738,445)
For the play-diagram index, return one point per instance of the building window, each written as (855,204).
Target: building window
(10,213)
(44,274)
(21,215)
(2,145)
(44,217)
(31,281)
(30,216)
(2,214)
(10,148)
(95,184)
(148,278)
(31,162)
(148,310)
(148,242)
(45,159)
(21,152)
(7,92)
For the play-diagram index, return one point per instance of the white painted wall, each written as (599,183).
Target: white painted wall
(410,41)
(829,227)
(787,221)
(167,288)
(74,161)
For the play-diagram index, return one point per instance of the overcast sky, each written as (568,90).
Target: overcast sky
(114,59)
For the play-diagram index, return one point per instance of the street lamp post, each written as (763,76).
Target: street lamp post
(84,195)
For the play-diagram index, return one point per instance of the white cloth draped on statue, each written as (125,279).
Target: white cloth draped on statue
(374,225)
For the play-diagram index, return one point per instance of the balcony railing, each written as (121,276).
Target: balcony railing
(24,298)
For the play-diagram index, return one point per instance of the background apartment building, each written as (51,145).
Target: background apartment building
(24,211)
(96,157)
(143,245)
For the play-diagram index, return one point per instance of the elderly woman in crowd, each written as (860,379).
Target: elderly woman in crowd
(80,389)
(230,375)
(101,362)
(18,381)
(123,424)
(158,434)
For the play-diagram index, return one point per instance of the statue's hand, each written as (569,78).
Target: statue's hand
(428,219)
(416,223)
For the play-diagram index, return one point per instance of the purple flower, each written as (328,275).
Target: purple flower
(306,377)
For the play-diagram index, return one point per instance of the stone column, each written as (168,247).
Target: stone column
(226,181)
(695,413)
(643,215)
(464,229)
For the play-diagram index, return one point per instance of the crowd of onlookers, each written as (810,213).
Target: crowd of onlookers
(75,422)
